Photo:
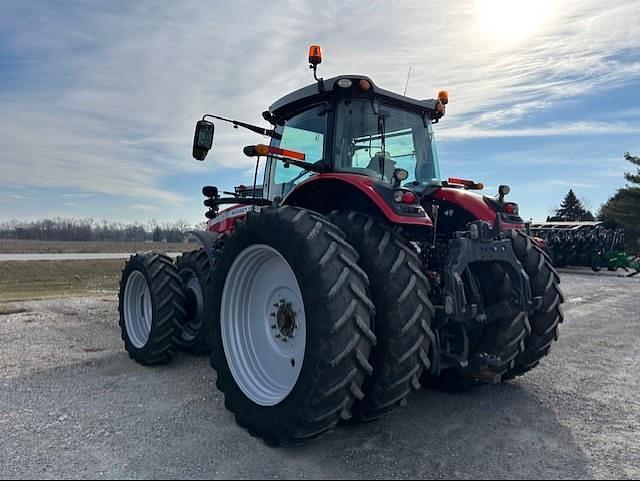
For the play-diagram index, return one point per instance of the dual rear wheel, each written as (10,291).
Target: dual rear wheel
(164,306)
(292,325)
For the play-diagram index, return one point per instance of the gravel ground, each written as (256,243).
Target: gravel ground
(73,405)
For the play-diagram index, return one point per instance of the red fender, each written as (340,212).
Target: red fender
(364,185)
(226,220)
(472,203)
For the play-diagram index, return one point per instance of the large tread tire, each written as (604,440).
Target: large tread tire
(167,306)
(339,317)
(545,321)
(195,267)
(404,313)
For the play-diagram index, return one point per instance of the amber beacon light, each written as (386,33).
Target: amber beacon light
(315,55)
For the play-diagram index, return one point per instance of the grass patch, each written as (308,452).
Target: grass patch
(20,281)
(73,247)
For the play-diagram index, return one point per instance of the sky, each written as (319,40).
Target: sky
(98,100)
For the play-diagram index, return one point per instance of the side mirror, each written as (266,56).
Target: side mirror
(203,139)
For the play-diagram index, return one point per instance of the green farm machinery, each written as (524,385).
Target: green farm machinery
(587,244)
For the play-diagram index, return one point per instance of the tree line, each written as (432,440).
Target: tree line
(69,229)
(621,210)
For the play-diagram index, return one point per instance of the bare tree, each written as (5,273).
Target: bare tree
(65,229)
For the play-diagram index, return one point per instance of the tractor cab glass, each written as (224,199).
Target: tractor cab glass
(374,139)
(304,133)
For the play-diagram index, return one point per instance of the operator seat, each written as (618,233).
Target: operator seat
(388,164)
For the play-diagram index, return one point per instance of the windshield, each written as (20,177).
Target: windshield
(374,139)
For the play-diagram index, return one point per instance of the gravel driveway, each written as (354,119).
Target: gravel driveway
(73,405)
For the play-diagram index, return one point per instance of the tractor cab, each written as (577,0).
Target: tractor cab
(346,140)
(348,125)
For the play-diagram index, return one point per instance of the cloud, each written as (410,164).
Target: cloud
(571,184)
(77,196)
(145,207)
(550,130)
(102,97)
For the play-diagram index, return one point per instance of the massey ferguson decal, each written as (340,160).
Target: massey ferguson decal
(225,221)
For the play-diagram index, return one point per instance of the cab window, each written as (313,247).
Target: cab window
(303,133)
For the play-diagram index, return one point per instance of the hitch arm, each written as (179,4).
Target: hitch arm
(238,201)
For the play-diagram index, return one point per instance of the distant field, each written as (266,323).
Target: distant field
(35,247)
(48,279)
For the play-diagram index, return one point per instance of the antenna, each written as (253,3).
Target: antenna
(408,77)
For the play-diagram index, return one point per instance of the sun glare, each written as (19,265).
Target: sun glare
(510,21)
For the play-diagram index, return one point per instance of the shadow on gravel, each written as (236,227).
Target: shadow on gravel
(492,432)
(109,416)
(8,309)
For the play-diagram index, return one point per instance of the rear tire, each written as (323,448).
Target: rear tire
(404,313)
(320,297)
(545,283)
(151,307)
(195,271)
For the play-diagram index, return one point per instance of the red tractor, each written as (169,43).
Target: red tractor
(353,274)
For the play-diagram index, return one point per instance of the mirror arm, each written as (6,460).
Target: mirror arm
(253,128)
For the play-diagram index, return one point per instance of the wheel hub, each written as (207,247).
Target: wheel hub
(286,323)
(194,305)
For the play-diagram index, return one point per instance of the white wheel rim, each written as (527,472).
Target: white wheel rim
(138,312)
(263,325)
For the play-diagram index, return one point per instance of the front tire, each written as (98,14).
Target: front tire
(292,332)
(151,307)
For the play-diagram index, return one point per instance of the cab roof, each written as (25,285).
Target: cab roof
(312,93)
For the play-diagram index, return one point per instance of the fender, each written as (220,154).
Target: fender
(206,238)
(327,192)
(226,220)
(474,204)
